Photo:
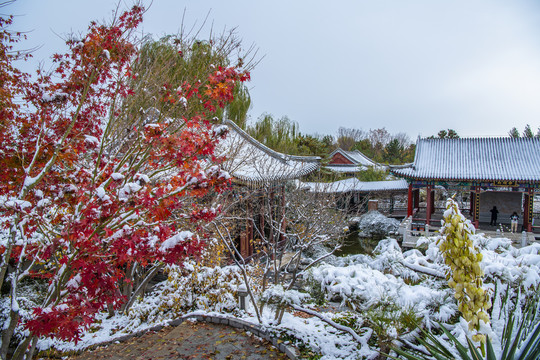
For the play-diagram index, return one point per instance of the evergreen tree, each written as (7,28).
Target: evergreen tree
(452,134)
(372,174)
(514,133)
(393,152)
(446,134)
(442,134)
(527,132)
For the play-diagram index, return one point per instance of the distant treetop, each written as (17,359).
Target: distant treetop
(446,134)
(527,132)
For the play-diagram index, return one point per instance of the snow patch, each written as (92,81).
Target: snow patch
(117,176)
(175,240)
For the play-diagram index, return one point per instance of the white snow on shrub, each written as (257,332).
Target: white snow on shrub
(91,139)
(278,295)
(220,130)
(127,190)
(179,238)
(374,223)
(117,176)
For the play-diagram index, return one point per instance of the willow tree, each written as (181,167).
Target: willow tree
(166,67)
(279,135)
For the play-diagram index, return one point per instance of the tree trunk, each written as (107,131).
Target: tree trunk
(150,275)
(21,351)
(7,253)
(5,263)
(7,334)
(32,348)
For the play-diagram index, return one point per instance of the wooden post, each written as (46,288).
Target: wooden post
(243,244)
(429,200)
(410,201)
(262,212)
(249,244)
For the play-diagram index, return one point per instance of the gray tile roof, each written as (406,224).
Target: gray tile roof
(353,184)
(250,161)
(346,168)
(480,159)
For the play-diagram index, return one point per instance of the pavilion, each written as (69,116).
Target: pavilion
(252,163)
(359,192)
(260,176)
(495,171)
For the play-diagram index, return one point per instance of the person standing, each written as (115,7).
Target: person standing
(514,221)
(494,213)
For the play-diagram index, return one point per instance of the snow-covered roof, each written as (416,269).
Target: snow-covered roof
(250,161)
(359,162)
(346,168)
(484,159)
(353,184)
(355,156)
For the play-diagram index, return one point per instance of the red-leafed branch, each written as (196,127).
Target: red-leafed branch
(98,195)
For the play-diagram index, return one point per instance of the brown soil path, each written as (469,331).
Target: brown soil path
(189,340)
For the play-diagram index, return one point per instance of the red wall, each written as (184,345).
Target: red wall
(340,159)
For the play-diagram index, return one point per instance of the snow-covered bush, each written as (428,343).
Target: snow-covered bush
(277,295)
(362,288)
(375,224)
(30,295)
(193,287)
(393,291)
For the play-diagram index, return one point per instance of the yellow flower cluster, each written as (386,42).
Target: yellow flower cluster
(465,275)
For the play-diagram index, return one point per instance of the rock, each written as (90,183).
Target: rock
(376,224)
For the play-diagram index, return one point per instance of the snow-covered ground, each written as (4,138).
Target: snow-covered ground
(378,294)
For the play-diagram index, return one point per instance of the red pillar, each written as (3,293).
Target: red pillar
(525,210)
(410,201)
(432,201)
(261,215)
(429,203)
(531,210)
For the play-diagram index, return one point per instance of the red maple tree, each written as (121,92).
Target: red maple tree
(87,206)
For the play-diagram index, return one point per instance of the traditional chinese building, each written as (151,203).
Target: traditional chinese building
(260,177)
(350,162)
(503,171)
(251,163)
(358,193)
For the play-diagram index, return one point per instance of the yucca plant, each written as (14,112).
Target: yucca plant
(523,344)
(530,349)
(466,278)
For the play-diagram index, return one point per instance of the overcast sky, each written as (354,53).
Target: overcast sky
(409,66)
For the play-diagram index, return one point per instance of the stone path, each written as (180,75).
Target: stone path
(189,340)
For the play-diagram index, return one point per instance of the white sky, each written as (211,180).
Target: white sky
(413,66)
